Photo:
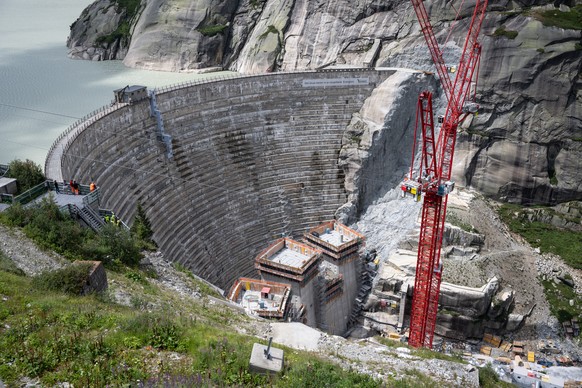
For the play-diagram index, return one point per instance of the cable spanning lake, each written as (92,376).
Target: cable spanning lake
(42,91)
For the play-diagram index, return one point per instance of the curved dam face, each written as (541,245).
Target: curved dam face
(254,158)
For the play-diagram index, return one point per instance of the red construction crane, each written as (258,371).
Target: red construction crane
(432,177)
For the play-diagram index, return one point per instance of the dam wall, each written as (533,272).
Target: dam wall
(254,158)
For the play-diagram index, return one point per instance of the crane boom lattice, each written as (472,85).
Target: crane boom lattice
(433,176)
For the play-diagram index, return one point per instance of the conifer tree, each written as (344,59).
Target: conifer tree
(142,229)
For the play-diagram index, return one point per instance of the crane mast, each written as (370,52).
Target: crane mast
(434,173)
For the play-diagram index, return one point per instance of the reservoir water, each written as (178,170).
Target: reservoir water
(42,91)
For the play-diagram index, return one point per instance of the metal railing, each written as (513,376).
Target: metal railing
(31,194)
(80,125)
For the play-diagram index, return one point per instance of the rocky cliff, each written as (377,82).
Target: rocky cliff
(523,147)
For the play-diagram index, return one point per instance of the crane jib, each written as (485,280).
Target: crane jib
(432,178)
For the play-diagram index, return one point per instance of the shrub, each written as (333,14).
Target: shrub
(113,245)
(141,230)
(53,229)
(488,378)
(211,30)
(502,32)
(16,215)
(70,279)
(158,331)
(27,173)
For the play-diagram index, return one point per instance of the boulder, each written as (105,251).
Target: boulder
(514,322)
(467,301)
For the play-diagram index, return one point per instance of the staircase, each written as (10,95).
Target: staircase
(88,215)
(162,135)
(366,279)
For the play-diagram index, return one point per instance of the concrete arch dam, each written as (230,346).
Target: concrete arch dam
(253,158)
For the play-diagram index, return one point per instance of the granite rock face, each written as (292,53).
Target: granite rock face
(88,37)
(180,34)
(524,145)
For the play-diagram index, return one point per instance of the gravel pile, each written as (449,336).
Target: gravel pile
(26,255)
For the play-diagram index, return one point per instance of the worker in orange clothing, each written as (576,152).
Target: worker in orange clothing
(92,187)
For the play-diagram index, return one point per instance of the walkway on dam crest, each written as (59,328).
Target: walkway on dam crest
(53,163)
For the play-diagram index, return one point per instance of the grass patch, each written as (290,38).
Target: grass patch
(212,30)
(454,220)
(202,286)
(87,341)
(570,20)
(559,296)
(423,353)
(8,265)
(502,32)
(271,29)
(550,239)
(489,379)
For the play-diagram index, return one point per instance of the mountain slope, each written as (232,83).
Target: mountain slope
(524,145)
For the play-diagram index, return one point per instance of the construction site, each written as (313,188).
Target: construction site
(299,196)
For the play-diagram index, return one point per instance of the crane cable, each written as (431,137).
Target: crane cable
(458,13)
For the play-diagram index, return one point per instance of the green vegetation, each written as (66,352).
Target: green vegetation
(454,220)
(52,229)
(488,378)
(202,286)
(565,243)
(570,20)
(212,30)
(562,242)
(271,29)
(421,352)
(578,46)
(541,50)
(502,32)
(8,265)
(27,173)
(69,280)
(559,296)
(255,3)
(89,341)
(355,138)
(123,31)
